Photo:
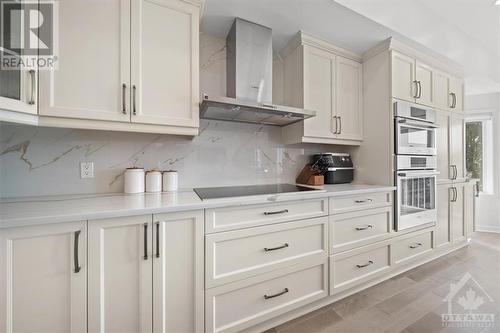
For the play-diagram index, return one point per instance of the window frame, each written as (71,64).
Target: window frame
(486,120)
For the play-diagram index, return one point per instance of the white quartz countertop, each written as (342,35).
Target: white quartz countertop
(56,209)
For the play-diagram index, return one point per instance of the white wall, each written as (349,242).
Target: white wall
(488,205)
(45,161)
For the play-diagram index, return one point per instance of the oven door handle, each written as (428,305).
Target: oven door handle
(417,124)
(416,174)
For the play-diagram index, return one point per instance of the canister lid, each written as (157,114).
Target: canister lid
(170,171)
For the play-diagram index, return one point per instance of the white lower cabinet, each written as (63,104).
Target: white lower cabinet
(442,235)
(43,278)
(242,304)
(145,273)
(351,268)
(411,247)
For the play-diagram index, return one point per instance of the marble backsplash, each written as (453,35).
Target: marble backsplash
(46,161)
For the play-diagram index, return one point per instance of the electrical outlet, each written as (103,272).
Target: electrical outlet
(87,170)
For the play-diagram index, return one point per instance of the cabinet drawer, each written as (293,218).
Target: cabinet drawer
(358,202)
(350,230)
(229,218)
(350,270)
(242,304)
(411,247)
(235,255)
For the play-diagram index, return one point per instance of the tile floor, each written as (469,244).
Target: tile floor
(414,301)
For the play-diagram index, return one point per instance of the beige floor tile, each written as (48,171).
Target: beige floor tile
(353,304)
(316,321)
(429,323)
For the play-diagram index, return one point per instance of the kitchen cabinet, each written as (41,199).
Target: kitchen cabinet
(471,193)
(141,74)
(442,235)
(43,274)
(145,273)
(321,77)
(458,212)
(18,87)
(450,146)
(93,76)
(403,77)
(165,63)
(457,146)
(423,75)
(457,94)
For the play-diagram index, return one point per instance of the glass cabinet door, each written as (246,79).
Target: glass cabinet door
(18,85)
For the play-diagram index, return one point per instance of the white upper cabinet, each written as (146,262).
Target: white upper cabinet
(456,93)
(92,79)
(441,88)
(423,74)
(319,93)
(43,278)
(321,77)
(165,48)
(403,77)
(457,147)
(349,80)
(443,152)
(18,87)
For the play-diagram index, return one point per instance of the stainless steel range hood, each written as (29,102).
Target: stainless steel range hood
(249,60)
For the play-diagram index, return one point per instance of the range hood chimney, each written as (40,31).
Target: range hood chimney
(249,62)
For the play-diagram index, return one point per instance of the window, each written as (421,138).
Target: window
(479,150)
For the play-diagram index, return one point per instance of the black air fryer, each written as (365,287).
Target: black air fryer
(337,168)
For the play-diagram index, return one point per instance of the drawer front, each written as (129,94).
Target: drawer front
(236,255)
(412,247)
(358,268)
(350,230)
(236,306)
(230,218)
(358,202)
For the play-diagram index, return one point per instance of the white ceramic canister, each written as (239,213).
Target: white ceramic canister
(153,181)
(170,181)
(134,180)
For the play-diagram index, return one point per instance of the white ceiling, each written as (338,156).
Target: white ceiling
(466,31)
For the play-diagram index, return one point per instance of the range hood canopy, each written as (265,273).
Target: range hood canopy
(249,60)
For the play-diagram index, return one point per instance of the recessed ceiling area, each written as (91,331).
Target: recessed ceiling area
(466,31)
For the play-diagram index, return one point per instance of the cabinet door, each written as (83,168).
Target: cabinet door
(165,65)
(178,272)
(403,77)
(442,236)
(18,87)
(457,89)
(319,93)
(458,213)
(443,121)
(458,146)
(425,94)
(94,62)
(440,88)
(470,208)
(43,274)
(120,275)
(349,99)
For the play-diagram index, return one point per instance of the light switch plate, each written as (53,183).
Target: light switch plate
(87,170)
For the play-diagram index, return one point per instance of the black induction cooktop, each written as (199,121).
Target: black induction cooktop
(243,191)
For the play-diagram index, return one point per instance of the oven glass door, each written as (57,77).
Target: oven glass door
(415,138)
(416,199)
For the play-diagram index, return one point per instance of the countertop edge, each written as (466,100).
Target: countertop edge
(216,203)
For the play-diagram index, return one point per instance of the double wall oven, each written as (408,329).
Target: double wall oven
(415,160)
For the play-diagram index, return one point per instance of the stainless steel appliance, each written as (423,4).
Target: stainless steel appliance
(206,193)
(249,81)
(416,163)
(416,192)
(337,168)
(415,130)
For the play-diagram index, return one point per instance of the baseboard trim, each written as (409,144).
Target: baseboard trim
(487,228)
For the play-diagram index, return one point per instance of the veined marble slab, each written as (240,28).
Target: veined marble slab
(57,209)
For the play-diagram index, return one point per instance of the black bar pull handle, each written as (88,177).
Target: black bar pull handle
(145,241)
(75,251)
